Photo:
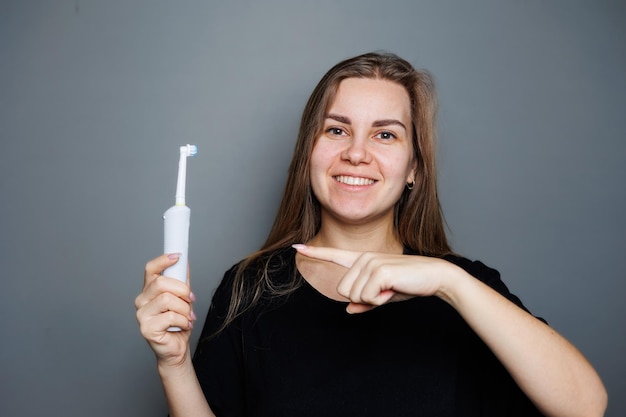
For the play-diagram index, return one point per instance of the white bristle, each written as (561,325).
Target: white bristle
(189,150)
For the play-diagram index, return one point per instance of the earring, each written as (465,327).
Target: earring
(410,185)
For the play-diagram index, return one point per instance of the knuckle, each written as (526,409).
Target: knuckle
(140,320)
(355,295)
(144,330)
(158,282)
(173,318)
(154,266)
(149,267)
(169,301)
(383,270)
(343,291)
(370,261)
(164,299)
(369,294)
(367,257)
(161,283)
(142,325)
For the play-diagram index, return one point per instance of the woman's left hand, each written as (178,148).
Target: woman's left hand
(374,278)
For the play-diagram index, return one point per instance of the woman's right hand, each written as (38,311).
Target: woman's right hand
(165,302)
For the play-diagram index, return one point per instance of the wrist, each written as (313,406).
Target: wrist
(175,369)
(451,282)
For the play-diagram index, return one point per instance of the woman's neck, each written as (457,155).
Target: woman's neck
(375,236)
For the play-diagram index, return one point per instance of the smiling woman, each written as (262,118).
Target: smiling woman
(362,161)
(355,304)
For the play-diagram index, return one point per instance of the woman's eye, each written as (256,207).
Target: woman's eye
(335,131)
(386,135)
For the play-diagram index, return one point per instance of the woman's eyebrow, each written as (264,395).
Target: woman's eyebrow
(387,122)
(339,118)
(378,123)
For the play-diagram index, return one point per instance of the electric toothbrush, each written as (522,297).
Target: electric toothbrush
(176,223)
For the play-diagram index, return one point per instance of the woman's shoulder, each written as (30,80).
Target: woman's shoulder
(487,275)
(473,267)
(481,272)
(476,268)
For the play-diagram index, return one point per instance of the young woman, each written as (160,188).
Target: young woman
(356,305)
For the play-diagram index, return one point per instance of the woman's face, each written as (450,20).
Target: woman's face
(363,159)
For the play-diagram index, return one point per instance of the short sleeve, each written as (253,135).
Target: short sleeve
(487,275)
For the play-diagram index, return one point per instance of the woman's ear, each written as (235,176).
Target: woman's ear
(412,173)
(410,179)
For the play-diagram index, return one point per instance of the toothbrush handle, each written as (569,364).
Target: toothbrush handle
(176,240)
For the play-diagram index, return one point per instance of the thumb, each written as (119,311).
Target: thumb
(157,265)
(383,297)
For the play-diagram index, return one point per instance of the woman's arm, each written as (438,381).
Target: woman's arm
(166,302)
(183,392)
(549,369)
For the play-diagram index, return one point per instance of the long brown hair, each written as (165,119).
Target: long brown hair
(418,218)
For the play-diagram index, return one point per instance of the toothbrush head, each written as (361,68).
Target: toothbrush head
(189,150)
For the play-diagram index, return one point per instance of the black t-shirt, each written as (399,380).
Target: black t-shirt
(304,355)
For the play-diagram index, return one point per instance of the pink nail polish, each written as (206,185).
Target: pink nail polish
(173,256)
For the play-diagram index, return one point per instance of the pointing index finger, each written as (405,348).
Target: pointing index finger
(345,258)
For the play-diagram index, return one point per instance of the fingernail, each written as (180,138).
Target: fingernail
(193,316)
(192,297)
(191,325)
(173,256)
(299,246)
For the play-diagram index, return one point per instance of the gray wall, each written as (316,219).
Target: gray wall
(96,97)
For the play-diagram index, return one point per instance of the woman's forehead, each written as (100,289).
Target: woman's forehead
(371,98)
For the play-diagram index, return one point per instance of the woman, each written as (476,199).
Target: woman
(356,305)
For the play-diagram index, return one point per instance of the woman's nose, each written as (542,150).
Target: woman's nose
(357,152)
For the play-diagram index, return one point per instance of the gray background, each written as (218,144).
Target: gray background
(96,97)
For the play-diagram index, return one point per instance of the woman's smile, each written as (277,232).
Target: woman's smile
(349,180)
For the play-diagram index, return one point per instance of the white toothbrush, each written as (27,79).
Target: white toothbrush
(176,223)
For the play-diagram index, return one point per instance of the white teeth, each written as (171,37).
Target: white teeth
(354,180)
